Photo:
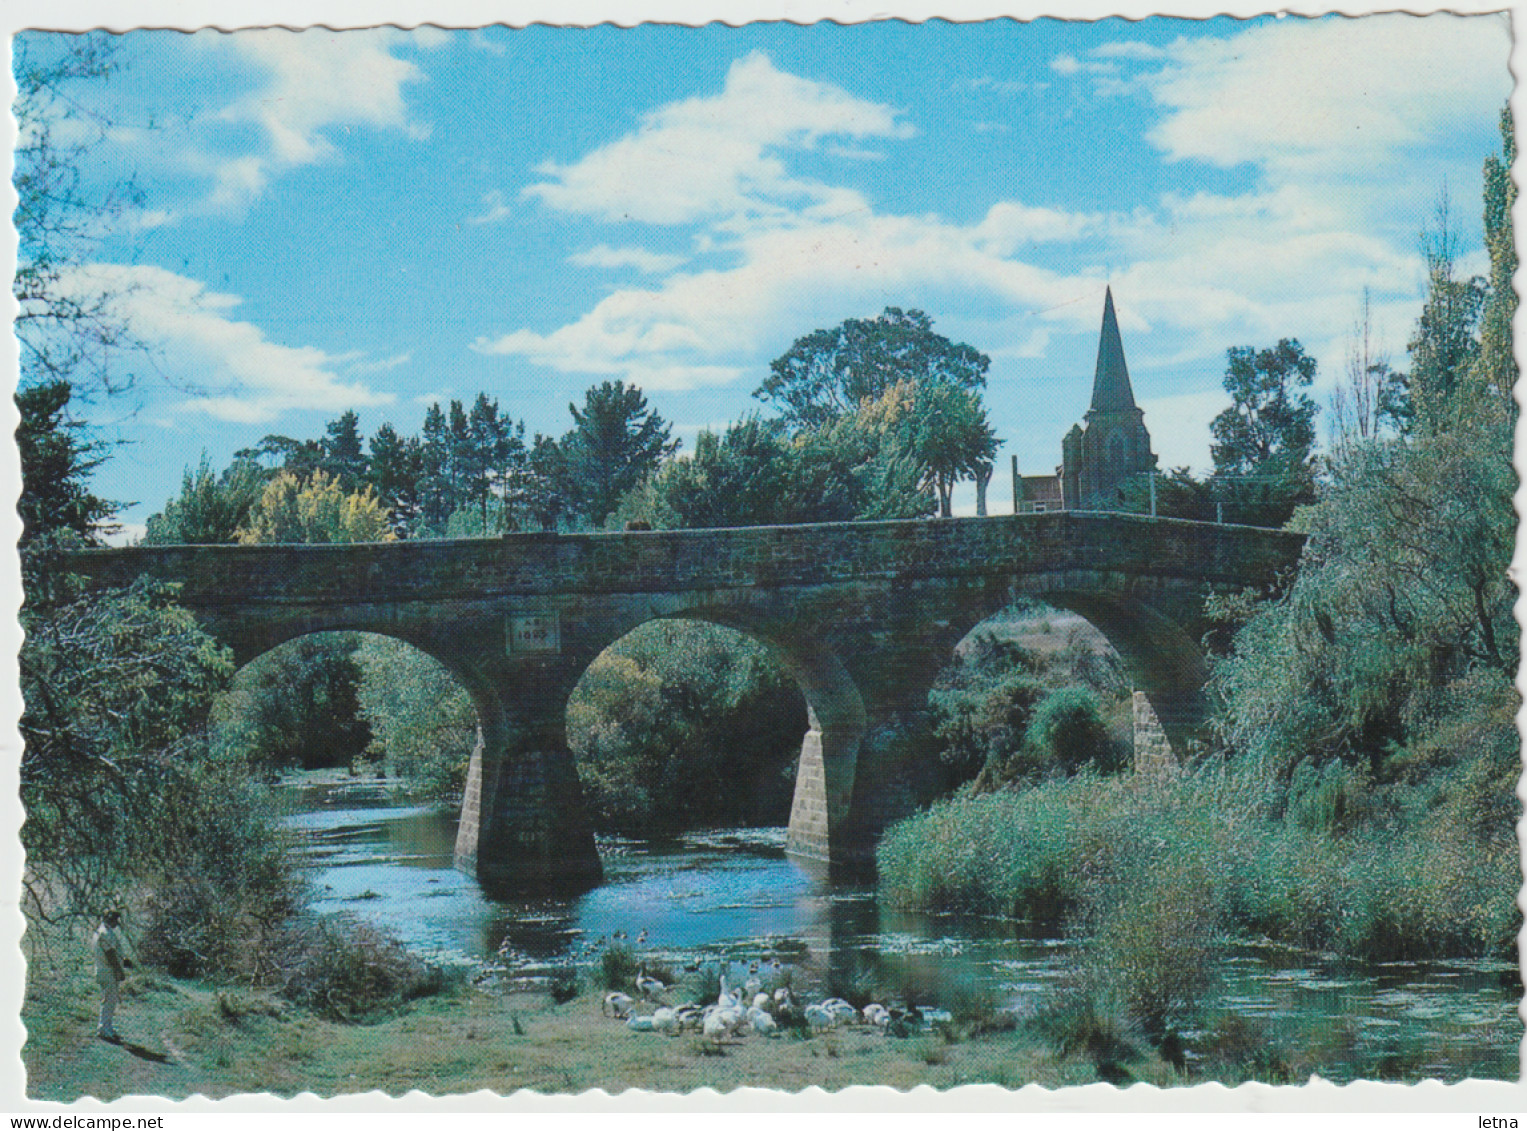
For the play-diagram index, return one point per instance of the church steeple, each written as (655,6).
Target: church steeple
(1110,386)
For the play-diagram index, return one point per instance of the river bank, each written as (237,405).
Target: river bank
(185,1038)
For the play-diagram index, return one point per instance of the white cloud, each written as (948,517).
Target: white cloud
(317,80)
(1330,95)
(1129,49)
(687,331)
(247,377)
(1010,225)
(1068,65)
(380,365)
(719,156)
(647,262)
(494,209)
(1192,273)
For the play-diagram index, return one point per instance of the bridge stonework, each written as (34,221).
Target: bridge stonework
(863,615)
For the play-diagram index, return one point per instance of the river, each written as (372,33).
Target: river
(733,895)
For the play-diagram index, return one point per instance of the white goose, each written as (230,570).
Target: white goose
(819,1017)
(646,985)
(762,1022)
(618,1004)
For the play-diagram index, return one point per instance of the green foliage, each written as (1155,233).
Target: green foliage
(1496,369)
(616,441)
(1263,443)
(981,704)
(296,705)
(227,881)
(56,466)
(618,968)
(315,509)
(422,721)
(756,474)
(1402,592)
(1008,713)
(685,725)
(467,460)
(1153,935)
(1444,347)
(347,971)
(829,373)
(117,685)
(564,985)
(210,508)
(1219,851)
(393,471)
(944,431)
(1067,733)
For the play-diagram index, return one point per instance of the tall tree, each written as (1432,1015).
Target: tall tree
(343,456)
(394,472)
(210,508)
(1497,369)
(827,373)
(495,460)
(437,495)
(1264,442)
(616,440)
(944,428)
(1444,345)
(1370,396)
(55,467)
(544,497)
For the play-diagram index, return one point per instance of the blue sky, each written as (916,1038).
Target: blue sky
(375,219)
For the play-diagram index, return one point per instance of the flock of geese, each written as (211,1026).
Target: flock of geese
(752,1010)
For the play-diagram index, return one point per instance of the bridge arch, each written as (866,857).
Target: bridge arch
(1154,624)
(874,606)
(835,710)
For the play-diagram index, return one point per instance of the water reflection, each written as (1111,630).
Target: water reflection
(733,895)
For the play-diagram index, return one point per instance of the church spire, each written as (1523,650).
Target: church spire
(1110,387)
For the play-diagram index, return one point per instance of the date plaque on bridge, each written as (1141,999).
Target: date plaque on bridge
(538,632)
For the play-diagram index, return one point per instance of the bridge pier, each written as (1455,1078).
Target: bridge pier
(824,790)
(523,828)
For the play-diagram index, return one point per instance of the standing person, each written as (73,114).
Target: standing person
(111,966)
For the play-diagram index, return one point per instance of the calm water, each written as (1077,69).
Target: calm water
(732,895)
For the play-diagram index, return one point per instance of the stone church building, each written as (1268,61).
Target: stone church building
(1109,448)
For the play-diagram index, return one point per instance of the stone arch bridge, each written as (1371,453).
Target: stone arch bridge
(863,615)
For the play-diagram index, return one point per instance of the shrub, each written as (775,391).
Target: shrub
(230,882)
(617,967)
(564,985)
(347,971)
(1155,941)
(1066,733)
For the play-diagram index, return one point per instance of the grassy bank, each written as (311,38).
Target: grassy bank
(1222,851)
(185,1037)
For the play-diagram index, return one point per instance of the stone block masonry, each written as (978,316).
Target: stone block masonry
(863,615)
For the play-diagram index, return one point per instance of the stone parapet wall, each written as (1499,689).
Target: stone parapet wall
(689,560)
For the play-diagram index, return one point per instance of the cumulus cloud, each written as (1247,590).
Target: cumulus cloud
(248,378)
(685,332)
(719,156)
(647,262)
(1329,95)
(316,80)
(1289,255)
